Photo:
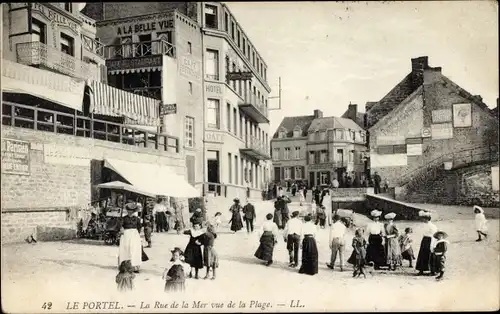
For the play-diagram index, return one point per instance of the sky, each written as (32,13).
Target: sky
(331,53)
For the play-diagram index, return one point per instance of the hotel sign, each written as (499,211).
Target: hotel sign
(134,63)
(55,17)
(239,76)
(214,137)
(214,89)
(147,27)
(15,157)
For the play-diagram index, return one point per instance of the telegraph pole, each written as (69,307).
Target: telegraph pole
(279,97)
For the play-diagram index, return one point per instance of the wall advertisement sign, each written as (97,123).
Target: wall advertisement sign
(462,115)
(15,157)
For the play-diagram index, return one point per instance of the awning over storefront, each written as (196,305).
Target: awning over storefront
(118,185)
(110,101)
(61,89)
(156,179)
(139,70)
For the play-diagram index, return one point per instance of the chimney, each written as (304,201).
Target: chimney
(418,65)
(478,97)
(352,112)
(318,114)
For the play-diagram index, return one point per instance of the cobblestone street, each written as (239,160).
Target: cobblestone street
(61,272)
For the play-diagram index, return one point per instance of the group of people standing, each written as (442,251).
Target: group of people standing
(236,220)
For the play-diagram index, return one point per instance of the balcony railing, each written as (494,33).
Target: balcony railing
(151,92)
(141,49)
(254,108)
(256,148)
(39,119)
(40,54)
(93,46)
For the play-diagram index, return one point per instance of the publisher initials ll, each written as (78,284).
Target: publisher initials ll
(295,303)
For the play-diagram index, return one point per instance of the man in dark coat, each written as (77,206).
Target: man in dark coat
(377,179)
(285,212)
(249,212)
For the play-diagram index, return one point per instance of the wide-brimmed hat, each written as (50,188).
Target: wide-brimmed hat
(481,210)
(295,213)
(131,207)
(424,213)
(375,213)
(236,200)
(218,214)
(178,250)
(198,210)
(390,216)
(445,235)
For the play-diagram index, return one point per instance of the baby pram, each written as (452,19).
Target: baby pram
(112,230)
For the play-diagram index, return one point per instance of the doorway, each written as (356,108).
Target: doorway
(311,180)
(213,166)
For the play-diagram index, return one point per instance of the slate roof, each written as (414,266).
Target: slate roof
(289,123)
(360,118)
(494,111)
(325,123)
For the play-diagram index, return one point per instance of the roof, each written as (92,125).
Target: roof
(494,111)
(327,123)
(360,117)
(289,123)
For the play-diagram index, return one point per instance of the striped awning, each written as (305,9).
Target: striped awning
(138,70)
(110,101)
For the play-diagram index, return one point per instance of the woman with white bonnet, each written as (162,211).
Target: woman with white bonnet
(424,259)
(130,240)
(392,248)
(375,252)
(480,222)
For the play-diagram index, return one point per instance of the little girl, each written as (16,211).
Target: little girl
(125,277)
(440,249)
(217,220)
(480,223)
(176,272)
(210,258)
(358,254)
(405,242)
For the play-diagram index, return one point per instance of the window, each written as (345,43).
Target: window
(296,154)
(244,47)
(298,173)
(144,48)
(287,153)
(248,52)
(323,157)
(322,136)
(190,88)
(212,65)
(189,129)
(228,64)
(311,158)
(324,178)
(282,134)
(210,16)
(39,32)
(232,30)
(229,162)
(276,153)
(236,170)
(67,44)
(339,134)
(213,109)
(68,7)
(353,135)
(362,135)
(316,135)
(311,136)
(228,117)
(235,122)
(239,39)
(351,156)
(226,22)
(287,173)
(241,126)
(189,48)
(253,58)
(166,36)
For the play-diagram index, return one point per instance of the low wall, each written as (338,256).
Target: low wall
(386,205)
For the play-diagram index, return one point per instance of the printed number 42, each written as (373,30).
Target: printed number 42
(47,305)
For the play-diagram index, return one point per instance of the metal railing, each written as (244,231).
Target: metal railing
(93,46)
(35,118)
(40,54)
(256,144)
(458,159)
(151,92)
(253,100)
(140,49)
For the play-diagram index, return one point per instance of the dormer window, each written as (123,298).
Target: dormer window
(297,132)
(282,133)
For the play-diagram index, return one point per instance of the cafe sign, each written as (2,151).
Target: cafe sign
(214,137)
(239,76)
(166,109)
(15,157)
(134,63)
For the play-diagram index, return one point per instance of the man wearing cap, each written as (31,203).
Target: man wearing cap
(337,233)
(293,235)
(249,212)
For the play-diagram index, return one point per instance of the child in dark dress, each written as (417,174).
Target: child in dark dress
(175,273)
(125,277)
(358,255)
(210,258)
(440,249)
(193,253)
(405,242)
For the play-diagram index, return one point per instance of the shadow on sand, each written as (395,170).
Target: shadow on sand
(68,262)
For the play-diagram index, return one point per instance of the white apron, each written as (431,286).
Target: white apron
(130,247)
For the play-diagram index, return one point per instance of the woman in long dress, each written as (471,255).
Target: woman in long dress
(375,252)
(268,238)
(309,264)
(392,246)
(130,240)
(236,221)
(424,259)
(278,217)
(327,204)
(192,253)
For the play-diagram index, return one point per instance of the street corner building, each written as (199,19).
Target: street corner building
(315,149)
(434,141)
(91,100)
